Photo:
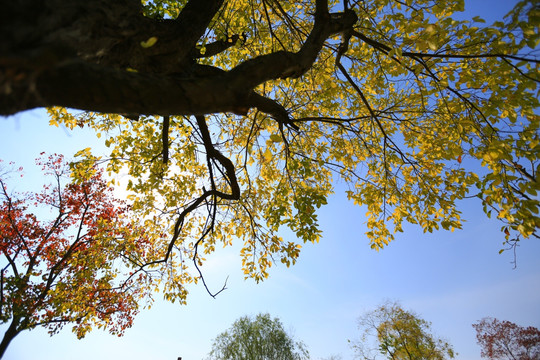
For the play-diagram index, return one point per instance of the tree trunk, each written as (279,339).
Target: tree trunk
(9,335)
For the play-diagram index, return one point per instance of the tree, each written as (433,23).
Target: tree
(506,340)
(73,266)
(333,357)
(262,338)
(233,119)
(400,335)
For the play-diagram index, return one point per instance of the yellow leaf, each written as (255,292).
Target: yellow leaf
(150,42)
(267,154)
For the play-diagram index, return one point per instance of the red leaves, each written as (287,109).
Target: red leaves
(506,340)
(69,266)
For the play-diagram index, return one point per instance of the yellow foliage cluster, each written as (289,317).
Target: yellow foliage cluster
(420,111)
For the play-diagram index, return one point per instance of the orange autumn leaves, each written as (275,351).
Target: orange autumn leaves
(70,254)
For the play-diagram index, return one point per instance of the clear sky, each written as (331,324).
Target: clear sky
(450,279)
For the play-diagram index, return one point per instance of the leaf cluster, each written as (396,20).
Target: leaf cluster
(411,109)
(69,254)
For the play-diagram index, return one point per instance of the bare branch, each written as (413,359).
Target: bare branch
(165,138)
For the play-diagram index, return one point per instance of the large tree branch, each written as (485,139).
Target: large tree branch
(52,76)
(85,86)
(106,32)
(193,21)
(284,64)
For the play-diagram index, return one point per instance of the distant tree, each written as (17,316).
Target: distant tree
(332,357)
(506,340)
(68,266)
(400,335)
(262,338)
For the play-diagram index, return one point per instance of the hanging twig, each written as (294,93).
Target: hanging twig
(165,138)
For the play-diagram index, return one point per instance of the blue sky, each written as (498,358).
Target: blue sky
(450,279)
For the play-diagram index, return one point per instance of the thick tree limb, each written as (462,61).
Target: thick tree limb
(284,64)
(85,86)
(96,73)
(192,23)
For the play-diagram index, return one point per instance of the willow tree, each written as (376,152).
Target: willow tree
(258,338)
(234,118)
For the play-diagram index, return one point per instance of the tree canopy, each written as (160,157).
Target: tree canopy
(68,255)
(400,335)
(506,340)
(234,119)
(259,338)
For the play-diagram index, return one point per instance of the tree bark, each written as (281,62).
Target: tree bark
(87,54)
(9,335)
